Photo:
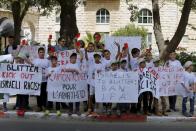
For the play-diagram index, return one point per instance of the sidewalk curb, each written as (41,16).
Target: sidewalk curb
(171,119)
(83,117)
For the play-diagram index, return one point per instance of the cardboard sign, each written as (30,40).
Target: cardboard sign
(116,87)
(148,82)
(131,42)
(170,78)
(67,87)
(20,79)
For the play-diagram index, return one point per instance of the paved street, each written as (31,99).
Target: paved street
(41,125)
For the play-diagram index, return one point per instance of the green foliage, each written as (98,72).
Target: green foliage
(183,57)
(88,38)
(132,30)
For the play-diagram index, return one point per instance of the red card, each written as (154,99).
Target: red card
(50,37)
(126,45)
(77,35)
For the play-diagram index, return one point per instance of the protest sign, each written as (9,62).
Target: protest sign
(6,58)
(63,56)
(133,42)
(20,79)
(116,87)
(68,87)
(148,82)
(170,78)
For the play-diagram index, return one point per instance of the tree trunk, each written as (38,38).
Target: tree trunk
(181,29)
(164,48)
(68,22)
(16,10)
(157,27)
(18,15)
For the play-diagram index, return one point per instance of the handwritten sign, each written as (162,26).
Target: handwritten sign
(63,56)
(133,42)
(170,77)
(148,82)
(20,79)
(67,87)
(116,87)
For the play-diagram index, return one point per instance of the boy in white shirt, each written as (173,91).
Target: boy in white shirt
(42,63)
(149,61)
(123,107)
(188,86)
(145,95)
(156,62)
(73,67)
(114,67)
(96,68)
(53,68)
(172,62)
(135,52)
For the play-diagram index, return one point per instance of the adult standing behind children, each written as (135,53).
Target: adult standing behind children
(62,45)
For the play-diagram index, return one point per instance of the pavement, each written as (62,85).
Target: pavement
(172,117)
(59,125)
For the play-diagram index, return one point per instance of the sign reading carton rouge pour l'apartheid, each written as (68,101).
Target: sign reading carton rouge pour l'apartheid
(20,79)
(67,87)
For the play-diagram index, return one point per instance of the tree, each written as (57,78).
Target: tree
(132,30)
(68,22)
(19,9)
(168,46)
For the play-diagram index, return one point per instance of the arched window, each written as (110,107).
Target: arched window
(145,16)
(102,16)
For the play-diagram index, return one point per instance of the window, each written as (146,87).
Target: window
(102,16)
(149,38)
(145,16)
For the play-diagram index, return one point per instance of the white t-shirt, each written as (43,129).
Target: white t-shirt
(149,64)
(188,79)
(75,66)
(106,63)
(44,64)
(95,67)
(134,63)
(174,63)
(57,69)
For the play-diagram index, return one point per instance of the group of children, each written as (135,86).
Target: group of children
(98,59)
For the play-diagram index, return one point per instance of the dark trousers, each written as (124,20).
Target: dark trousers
(77,106)
(192,103)
(50,105)
(172,102)
(133,108)
(147,99)
(42,99)
(123,107)
(22,101)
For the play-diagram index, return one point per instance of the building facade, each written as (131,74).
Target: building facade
(106,16)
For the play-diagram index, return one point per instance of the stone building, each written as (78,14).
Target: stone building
(106,16)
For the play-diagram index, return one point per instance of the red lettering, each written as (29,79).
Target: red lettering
(26,76)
